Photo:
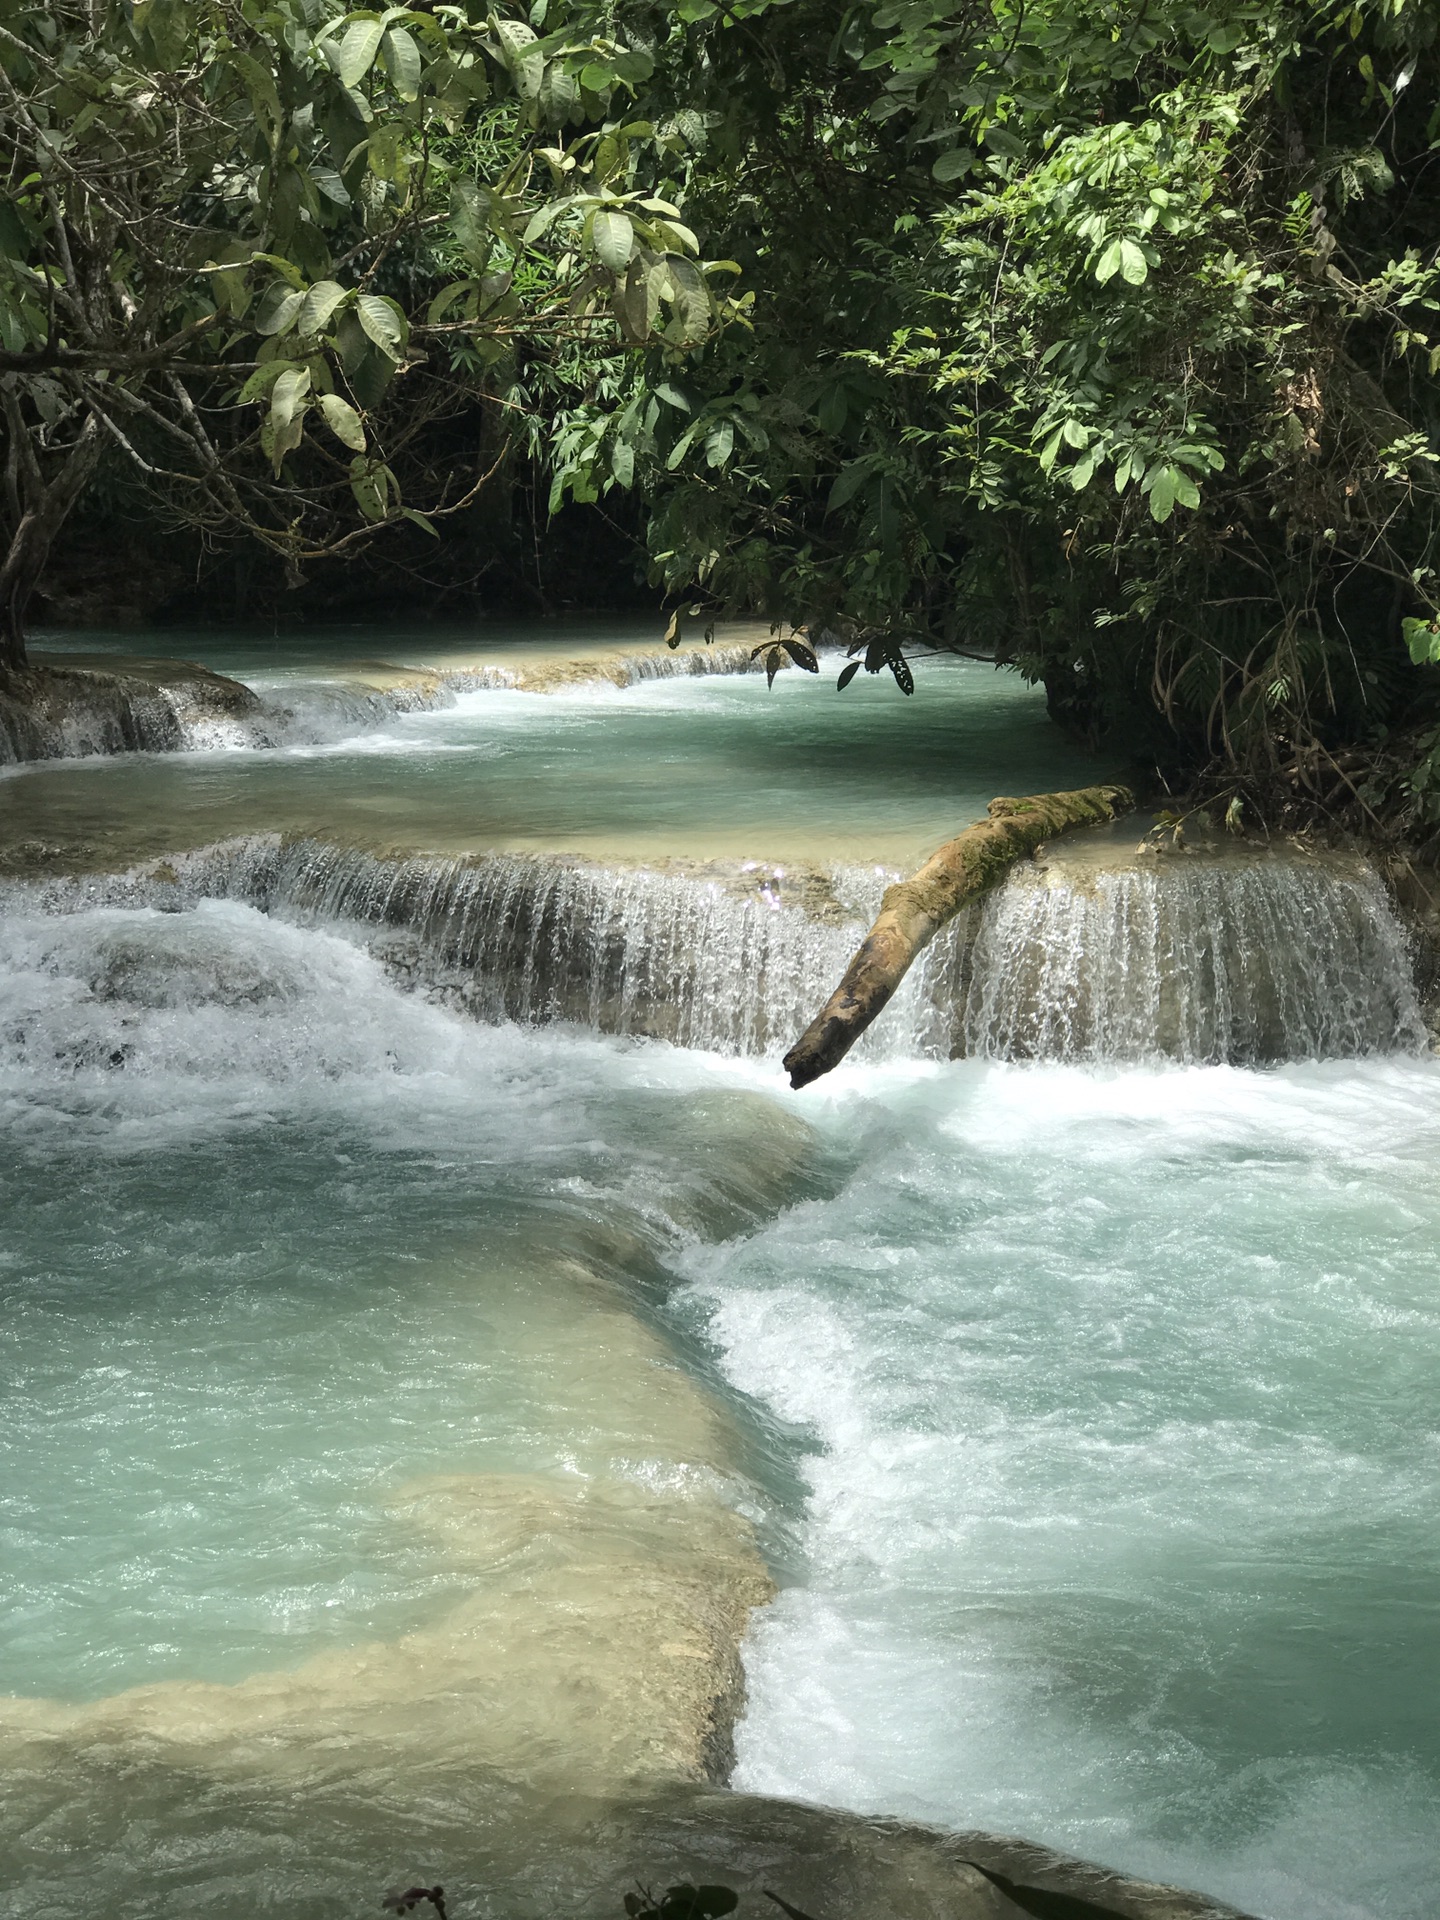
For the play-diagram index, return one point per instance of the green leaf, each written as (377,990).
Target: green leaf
(446,299)
(690,298)
(419,520)
(370,483)
(287,269)
(383,322)
(278,311)
(613,238)
(720,443)
(541,221)
(263,378)
(402,62)
(673,396)
(343,421)
(953,165)
(1422,637)
(848,483)
(1162,493)
(290,389)
(318,305)
(522,56)
(470,220)
(559,95)
(264,98)
(1133,266)
(284,427)
(358,50)
(1108,265)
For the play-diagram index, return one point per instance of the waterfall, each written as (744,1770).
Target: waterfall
(1212,960)
(726,959)
(1241,960)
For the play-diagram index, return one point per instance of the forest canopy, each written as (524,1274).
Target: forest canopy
(1097,339)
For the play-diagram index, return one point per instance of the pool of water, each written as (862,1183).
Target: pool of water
(380,1387)
(712,767)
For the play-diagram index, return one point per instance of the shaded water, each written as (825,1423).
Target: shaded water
(422,1374)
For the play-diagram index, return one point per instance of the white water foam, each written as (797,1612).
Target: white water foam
(1122,1525)
(1243,962)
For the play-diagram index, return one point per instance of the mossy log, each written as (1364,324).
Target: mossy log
(913,911)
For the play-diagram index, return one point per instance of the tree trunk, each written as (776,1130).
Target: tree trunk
(46,509)
(913,911)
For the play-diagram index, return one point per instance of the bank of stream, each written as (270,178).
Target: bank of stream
(431,1325)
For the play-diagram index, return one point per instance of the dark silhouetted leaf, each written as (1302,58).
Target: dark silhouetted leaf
(1044,1904)
(398,1901)
(847,674)
(800,654)
(785,1906)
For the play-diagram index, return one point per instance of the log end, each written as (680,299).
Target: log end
(811,1057)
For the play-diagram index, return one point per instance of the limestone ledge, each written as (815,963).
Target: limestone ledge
(73,705)
(98,703)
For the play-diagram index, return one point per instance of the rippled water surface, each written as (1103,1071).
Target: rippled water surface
(1086,1415)
(1125,1523)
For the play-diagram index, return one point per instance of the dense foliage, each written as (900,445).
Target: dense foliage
(1094,337)
(264,253)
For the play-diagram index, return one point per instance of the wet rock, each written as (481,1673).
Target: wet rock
(92,705)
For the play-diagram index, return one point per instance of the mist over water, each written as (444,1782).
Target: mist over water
(1080,1392)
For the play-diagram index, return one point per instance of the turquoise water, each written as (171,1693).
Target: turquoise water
(709,767)
(281,1240)
(1087,1417)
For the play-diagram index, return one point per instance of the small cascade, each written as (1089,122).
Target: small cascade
(725,959)
(178,708)
(1213,960)
(723,964)
(1246,961)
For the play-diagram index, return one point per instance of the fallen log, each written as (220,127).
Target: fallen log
(913,911)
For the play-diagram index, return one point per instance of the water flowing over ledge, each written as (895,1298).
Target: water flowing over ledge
(1243,959)
(72,707)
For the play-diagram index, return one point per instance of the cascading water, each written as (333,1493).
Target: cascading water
(1205,960)
(180,711)
(1245,961)
(396,1402)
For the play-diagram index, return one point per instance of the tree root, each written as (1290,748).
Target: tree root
(913,911)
